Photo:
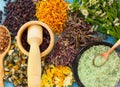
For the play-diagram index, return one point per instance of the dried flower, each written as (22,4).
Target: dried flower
(85,12)
(104,4)
(117,24)
(16,67)
(108,32)
(98,12)
(53,13)
(68,80)
(57,76)
(103,14)
(93,2)
(116,20)
(70,7)
(110,2)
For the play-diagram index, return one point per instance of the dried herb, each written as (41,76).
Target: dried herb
(103,13)
(77,33)
(16,67)
(4,39)
(17,13)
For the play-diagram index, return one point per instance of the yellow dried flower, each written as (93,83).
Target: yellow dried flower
(56,76)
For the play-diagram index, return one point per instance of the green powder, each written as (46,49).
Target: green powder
(107,75)
(99,60)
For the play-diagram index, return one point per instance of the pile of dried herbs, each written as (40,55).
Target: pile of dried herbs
(57,76)
(16,67)
(53,13)
(77,33)
(17,13)
(102,13)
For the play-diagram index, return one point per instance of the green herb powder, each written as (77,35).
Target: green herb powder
(107,75)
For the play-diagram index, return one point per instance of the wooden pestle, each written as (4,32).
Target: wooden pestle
(34,38)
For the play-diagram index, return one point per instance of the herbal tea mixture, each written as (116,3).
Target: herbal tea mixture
(107,75)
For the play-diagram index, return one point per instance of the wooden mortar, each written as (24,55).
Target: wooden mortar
(34,38)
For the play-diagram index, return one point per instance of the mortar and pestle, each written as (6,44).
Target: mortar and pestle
(5,42)
(34,39)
